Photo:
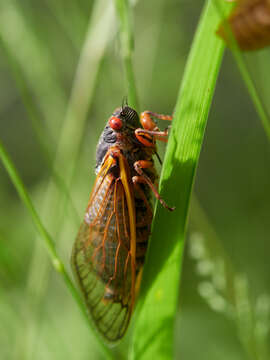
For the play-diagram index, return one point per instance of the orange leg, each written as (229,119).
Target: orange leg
(146,164)
(148,137)
(145,138)
(150,131)
(146,119)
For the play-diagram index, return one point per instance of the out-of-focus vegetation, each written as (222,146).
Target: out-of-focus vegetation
(60,61)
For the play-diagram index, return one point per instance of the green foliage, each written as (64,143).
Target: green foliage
(159,293)
(65,61)
(247,78)
(127,46)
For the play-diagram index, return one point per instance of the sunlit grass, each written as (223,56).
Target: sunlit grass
(60,121)
(160,286)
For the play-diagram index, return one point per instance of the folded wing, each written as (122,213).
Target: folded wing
(101,256)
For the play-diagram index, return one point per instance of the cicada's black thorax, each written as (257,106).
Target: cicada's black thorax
(107,139)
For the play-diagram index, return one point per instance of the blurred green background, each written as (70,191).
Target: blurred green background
(60,61)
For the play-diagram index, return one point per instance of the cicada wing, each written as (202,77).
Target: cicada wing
(102,258)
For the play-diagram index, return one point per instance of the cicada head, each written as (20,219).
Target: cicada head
(124,119)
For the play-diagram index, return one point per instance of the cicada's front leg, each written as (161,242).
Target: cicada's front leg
(150,131)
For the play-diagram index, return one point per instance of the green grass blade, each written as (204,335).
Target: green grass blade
(76,16)
(46,238)
(101,25)
(44,142)
(100,30)
(122,9)
(154,327)
(253,92)
(225,289)
(249,82)
(41,78)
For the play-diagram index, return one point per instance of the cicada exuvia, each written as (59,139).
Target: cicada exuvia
(250,24)
(110,247)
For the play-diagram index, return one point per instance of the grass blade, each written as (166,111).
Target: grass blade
(225,289)
(249,82)
(122,9)
(159,292)
(42,78)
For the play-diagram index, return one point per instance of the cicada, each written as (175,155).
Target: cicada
(110,247)
(250,24)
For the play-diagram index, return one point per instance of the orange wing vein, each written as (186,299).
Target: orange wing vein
(104,252)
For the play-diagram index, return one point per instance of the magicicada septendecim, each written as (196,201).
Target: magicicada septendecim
(110,247)
(250,24)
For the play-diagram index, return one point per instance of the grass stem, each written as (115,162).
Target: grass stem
(158,302)
(127,45)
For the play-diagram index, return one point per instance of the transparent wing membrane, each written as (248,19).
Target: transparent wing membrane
(102,260)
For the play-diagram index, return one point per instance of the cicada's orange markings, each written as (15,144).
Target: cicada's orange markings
(136,181)
(109,250)
(124,217)
(118,234)
(104,239)
(104,170)
(100,178)
(124,172)
(144,164)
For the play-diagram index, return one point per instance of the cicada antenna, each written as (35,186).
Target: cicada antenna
(124,101)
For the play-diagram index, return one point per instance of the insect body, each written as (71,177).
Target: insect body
(250,24)
(109,250)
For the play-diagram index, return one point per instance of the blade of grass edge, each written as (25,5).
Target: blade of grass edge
(126,35)
(41,79)
(48,242)
(245,73)
(153,333)
(231,288)
(34,117)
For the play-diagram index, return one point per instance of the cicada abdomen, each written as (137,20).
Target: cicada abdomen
(250,24)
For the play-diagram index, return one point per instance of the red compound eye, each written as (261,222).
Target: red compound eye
(115,123)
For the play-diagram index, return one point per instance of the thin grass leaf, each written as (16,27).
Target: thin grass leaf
(76,16)
(127,41)
(226,290)
(99,32)
(247,78)
(253,92)
(47,240)
(35,61)
(154,327)
(44,142)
